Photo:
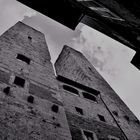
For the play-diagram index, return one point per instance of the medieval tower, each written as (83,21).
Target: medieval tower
(30,103)
(103,112)
(77,104)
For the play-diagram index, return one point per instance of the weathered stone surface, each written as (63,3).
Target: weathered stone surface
(43,93)
(102,130)
(4,76)
(26,111)
(17,38)
(20,119)
(90,108)
(41,109)
(15,41)
(73,65)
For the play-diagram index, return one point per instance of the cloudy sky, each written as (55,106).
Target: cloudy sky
(111,58)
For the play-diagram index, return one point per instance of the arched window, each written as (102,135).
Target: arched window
(23,58)
(89,96)
(70,89)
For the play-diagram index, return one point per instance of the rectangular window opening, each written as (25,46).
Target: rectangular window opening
(19,81)
(101,117)
(89,96)
(71,89)
(79,110)
(23,58)
(88,135)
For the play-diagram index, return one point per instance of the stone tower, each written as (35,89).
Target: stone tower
(35,105)
(30,103)
(93,109)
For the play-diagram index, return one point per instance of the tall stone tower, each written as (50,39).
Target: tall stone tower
(94,111)
(35,105)
(30,103)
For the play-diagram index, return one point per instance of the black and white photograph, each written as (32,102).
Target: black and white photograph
(69,70)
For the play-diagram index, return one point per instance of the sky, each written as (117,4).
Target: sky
(109,57)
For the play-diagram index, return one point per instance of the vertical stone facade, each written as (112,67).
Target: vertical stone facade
(86,112)
(71,64)
(35,105)
(30,102)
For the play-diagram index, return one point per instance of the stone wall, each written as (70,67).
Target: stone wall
(30,104)
(89,119)
(73,65)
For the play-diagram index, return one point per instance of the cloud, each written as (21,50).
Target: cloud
(106,54)
(11,12)
(56,34)
(29,14)
(112,60)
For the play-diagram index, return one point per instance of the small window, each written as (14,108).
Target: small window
(101,117)
(79,110)
(23,58)
(71,89)
(19,81)
(89,96)
(55,108)
(30,99)
(137,121)
(88,135)
(115,113)
(6,90)
(29,38)
(127,118)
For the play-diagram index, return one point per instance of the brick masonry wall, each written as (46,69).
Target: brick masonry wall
(75,66)
(90,108)
(30,121)
(89,121)
(102,130)
(35,111)
(25,39)
(15,41)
